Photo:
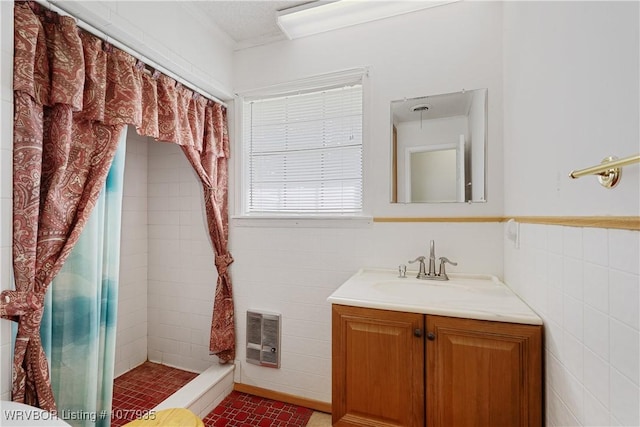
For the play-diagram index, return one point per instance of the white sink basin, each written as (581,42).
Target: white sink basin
(464,295)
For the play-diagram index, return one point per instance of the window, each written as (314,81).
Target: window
(303,152)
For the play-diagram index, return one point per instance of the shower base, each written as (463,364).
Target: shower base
(153,387)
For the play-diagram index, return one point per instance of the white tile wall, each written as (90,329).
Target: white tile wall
(592,340)
(131,339)
(182,276)
(6,138)
(292,270)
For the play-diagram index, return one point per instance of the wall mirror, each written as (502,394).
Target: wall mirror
(439,148)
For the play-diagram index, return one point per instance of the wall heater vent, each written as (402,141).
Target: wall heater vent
(263,338)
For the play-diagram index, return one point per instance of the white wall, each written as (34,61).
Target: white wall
(571,98)
(6,168)
(131,338)
(292,267)
(439,50)
(182,275)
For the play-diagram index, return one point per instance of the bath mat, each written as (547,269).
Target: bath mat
(142,388)
(244,410)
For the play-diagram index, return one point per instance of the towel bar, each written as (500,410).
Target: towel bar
(608,171)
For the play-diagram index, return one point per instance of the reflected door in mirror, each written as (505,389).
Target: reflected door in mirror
(436,173)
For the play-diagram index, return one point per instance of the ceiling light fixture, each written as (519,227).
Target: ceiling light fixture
(310,18)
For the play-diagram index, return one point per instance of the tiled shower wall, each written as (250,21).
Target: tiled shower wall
(131,340)
(167,275)
(182,276)
(584,283)
(6,146)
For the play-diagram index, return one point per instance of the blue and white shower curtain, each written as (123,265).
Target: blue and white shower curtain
(79,324)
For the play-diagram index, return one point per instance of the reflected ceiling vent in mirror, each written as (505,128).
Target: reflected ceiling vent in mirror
(420,107)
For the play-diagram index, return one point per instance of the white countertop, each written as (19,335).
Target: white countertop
(481,297)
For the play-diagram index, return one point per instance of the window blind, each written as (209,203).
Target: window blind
(304,152)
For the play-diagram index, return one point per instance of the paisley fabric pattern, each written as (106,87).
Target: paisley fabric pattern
(73,96)
(211,165)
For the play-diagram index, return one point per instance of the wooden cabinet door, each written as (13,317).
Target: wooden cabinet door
(482,373)
(378,367)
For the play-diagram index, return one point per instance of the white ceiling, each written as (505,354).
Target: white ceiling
(248,22)
(253,22)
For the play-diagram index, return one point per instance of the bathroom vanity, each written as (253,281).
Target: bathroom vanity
(410,352)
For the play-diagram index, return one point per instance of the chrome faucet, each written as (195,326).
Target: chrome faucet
(431,274)
(432,259)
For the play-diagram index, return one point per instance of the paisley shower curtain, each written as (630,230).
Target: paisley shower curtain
(73,96)
(78,328)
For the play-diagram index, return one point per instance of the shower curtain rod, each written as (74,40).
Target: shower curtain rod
(117,43)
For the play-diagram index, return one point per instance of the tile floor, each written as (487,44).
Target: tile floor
(244,410)
(142,388)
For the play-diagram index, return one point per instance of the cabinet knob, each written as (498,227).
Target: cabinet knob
(431,336)
(417,332)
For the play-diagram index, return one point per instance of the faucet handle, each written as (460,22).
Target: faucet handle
(422,270)
(443,261)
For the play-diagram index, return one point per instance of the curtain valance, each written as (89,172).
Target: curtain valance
(57,62)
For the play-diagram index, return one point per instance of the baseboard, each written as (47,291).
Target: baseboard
(316,405)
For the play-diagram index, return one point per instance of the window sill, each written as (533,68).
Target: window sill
(302,221)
